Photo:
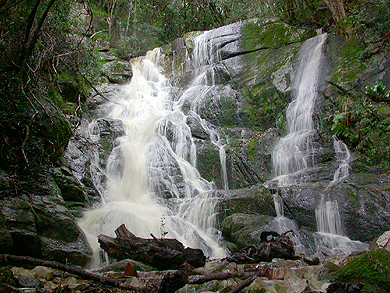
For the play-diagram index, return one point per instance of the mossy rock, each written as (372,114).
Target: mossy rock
(371,268)
(241,229)
(256,200)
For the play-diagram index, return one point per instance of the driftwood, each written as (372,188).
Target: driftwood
(171,281)
(161,253)
(26,260)
(174,281)
(247,282)
(272,245)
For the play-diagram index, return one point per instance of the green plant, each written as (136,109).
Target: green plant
(363,128)
(377,92)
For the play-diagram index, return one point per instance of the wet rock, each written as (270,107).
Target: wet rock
(363,207)
(40,217)
(313,261)
(71,188)
(344,287)
(384,240)
(243,229)
(275,273)
(254,200)
(117,71)
(43,273)
(28,282)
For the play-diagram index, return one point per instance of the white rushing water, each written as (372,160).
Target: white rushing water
(282,224)
(294,152)
(331,237)
(343,156)
(153,185)
(206,60)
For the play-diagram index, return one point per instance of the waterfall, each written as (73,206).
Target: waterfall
(206,60)
(330,237)
(153,185)
(294,153)
(282,224)
(343,156)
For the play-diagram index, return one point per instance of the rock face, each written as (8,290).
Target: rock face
(248,106)
(38,223)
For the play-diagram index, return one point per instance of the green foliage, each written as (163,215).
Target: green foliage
(378,92)
(371,268)
(370,21)
(45,59)
(364,129)
(304,13)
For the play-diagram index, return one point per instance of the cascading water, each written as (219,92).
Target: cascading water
(343,156)
(331,237)
(153,185)
(206,59)
(282,224)
(293,154)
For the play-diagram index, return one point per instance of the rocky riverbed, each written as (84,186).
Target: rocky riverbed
(356,272)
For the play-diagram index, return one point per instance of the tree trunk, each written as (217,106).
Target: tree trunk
(337,9)
(25,56)
(161,253)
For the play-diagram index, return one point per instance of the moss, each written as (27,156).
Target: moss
(371,268)
(251,149)
(269,34)
(262,106)
(349,63)
(273,43)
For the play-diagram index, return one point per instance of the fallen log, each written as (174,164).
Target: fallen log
(169,283)
(161,253)
(272,245)
(172,282)
(26,260)
(201,279)
(247,282)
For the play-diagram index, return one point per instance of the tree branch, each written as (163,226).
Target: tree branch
(23,260)
(34,38)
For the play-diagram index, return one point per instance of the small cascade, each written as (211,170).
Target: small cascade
(282,224)
(294,153)
(207,68)
(343,156)
(328,217)
(153,185)
(331,238)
